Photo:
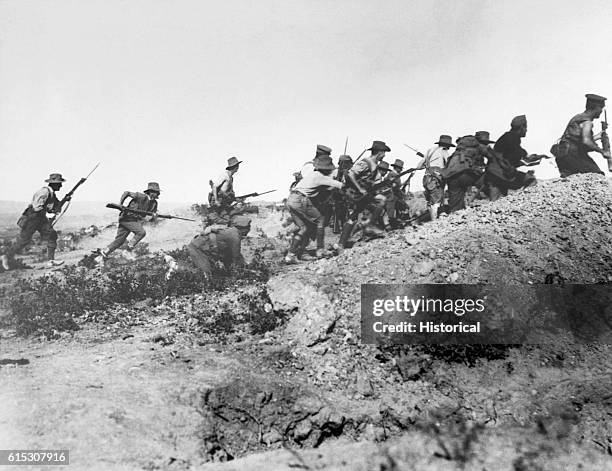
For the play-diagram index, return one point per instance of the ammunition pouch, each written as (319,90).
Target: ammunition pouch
(561,149)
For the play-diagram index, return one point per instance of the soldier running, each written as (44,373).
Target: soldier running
(34,219)
(363,173)
(302,206)
(572,151)
(131,222)
(465,167)
(433,182)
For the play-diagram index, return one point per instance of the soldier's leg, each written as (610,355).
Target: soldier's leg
(120,238)
(456,193)
(139,233)
(48,233)
(229,246)
(31,225)
(200,254)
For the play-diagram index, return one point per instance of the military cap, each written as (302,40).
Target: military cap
(345,158)
(445,141)
(153,186)
(55,178)
(398,163)
(518,121)
(323,150)
(378,146)
(232,162)
(483,137)
(595,98)
(383,165)
(323,162)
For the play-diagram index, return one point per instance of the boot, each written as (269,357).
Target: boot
(347,230)
(50,253)
(320,238)
(433,211)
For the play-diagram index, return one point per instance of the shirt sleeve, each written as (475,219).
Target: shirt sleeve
(39,199)
(324,180)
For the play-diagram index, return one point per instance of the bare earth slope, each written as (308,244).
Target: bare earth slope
(159,394)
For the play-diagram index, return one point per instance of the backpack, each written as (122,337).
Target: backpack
(467,157)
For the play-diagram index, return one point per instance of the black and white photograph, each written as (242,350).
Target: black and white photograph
(340,235)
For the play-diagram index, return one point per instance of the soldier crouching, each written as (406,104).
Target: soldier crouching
(219,242)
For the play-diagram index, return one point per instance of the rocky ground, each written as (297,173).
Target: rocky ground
(266,370)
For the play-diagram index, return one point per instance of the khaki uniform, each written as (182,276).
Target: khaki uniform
(222,245)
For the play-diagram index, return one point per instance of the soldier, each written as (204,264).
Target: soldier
(339,203)
(363,173)
(303,208)
(572,151)
(465,167)
(222,189)
(434,162)
(502,173)
(34,219)
(395,196)
(221,242)
(131,222)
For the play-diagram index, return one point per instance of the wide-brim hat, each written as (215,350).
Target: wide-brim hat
(445,140)
(383,165)
(153,186)
(483,137)
(323,162)
(55,178)
(399,163)
(379,146)
(232,162)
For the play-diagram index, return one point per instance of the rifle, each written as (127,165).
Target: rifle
(145,213)
(345,145)
(419,153)
(605,140)
(68,196)
(364,151)
(249,195)
(390,182)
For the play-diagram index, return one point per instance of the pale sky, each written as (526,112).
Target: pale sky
(169,90)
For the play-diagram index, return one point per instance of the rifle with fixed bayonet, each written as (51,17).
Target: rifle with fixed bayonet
(251,195)
(140,212)
(68,196)
(418,152)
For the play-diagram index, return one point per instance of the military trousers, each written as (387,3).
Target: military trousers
(305,215)
(457,187)
(32,222)
(123,231)
(576,160)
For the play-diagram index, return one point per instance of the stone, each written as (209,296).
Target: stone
(315,315)
(423,268)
